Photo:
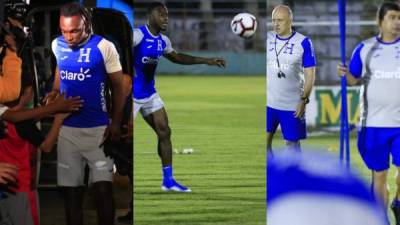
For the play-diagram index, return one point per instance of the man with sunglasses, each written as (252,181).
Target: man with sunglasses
(290,78)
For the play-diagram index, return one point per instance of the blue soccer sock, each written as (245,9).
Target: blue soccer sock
(167,173)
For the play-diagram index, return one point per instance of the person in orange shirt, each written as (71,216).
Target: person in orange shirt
(10,70)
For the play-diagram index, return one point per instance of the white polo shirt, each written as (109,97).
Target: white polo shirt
(294,54)
(378,64)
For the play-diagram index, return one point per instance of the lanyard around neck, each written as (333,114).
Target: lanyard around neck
(277,53)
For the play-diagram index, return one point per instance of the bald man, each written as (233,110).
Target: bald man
(290,78)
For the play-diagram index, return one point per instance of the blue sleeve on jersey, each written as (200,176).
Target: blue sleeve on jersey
(356,65)
(308,54)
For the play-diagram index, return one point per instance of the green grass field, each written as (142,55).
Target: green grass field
(223,120)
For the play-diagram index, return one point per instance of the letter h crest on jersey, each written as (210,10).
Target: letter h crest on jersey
(84,55)
(289,49)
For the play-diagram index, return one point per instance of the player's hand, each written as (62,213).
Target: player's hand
(128,134)
(63,105)
(112,131)
(300,109)
(8,173)
(220,62)
(342,70)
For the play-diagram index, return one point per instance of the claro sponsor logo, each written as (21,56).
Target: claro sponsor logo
(274,65)
(149,60)
(380,74)
(81,75)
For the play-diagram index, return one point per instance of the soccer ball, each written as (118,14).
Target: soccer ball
(244,25)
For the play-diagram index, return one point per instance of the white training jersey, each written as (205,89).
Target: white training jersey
(378,65)
(294,54)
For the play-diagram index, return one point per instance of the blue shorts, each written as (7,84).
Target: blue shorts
(376,144)
(293,129)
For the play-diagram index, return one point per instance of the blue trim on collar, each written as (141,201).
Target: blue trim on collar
(387,43)
(285,39)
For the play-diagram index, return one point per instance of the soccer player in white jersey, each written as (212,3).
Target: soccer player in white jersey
(149,46)
(290,78)
(84,62)
(375,64)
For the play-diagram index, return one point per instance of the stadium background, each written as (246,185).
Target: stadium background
(219,113)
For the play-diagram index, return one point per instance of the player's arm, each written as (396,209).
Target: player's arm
(354,72)
(309,63)
(351,79)
(185,59)
(309,79)
(172,55)
(118,99)
(55,91)
(56,83)
(115,75)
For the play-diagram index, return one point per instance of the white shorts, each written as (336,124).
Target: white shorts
(77,147)
(148,105)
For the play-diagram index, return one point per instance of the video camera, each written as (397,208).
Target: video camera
(15,9)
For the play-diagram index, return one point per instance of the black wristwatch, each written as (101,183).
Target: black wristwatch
(306,100)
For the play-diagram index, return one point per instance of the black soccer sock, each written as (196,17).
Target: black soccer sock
(104,202)
(73,198)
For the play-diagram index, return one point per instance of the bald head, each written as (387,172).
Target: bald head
(283,9)
(282,18)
